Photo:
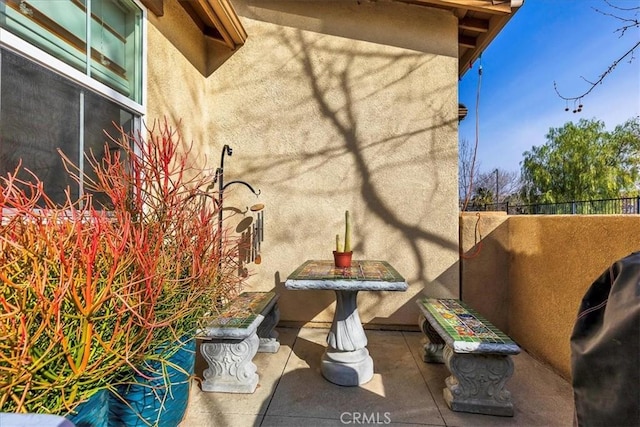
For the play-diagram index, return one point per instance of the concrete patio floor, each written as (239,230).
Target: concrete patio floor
(404,391)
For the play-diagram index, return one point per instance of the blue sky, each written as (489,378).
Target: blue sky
(547,41)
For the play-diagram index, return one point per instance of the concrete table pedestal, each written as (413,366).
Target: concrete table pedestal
(348,368)
(346,361)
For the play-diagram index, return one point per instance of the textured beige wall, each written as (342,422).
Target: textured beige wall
(484,244)
(177,83)
(554,260)
(328,106)
(551,261)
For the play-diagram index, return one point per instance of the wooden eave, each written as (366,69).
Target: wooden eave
(216,19)
(479,22)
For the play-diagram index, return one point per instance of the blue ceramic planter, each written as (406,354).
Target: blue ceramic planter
(160,400)
(94,412)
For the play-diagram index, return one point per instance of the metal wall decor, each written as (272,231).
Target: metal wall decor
(252,231)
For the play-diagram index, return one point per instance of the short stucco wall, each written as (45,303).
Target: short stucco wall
(531,272)
(484,259)
(329,106)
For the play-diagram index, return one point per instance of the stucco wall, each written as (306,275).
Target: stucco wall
(328,106)
(485,264)
(535,270)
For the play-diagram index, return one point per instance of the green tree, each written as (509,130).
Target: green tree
(482,196)
(582,161)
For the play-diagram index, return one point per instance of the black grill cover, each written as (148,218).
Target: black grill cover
(605,349)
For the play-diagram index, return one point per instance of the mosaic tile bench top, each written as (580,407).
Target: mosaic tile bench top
(240,313)
(362,275)
(463,329)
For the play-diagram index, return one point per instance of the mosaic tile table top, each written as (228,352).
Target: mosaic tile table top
(463,329)
(361,276)
(242,315)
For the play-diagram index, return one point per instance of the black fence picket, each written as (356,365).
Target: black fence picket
(619,206)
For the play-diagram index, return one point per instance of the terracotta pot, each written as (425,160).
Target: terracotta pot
(342,259)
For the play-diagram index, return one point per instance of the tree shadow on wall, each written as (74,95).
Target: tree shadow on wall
(331,73)
(345,122)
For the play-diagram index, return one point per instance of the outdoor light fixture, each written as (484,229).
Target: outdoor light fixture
(462,112)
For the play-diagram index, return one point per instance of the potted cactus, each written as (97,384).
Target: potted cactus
(342,255)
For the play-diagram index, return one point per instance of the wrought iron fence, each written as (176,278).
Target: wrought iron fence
(619,206)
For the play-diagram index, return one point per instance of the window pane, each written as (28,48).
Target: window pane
(102,116)
(60,29)
(39,113)
(116,41)
(57,27)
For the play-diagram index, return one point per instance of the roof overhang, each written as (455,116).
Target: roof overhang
(479,22)
(216,19)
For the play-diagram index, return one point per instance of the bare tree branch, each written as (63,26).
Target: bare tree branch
(628,23)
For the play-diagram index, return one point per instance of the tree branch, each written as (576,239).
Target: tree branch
(629,23)
(600,79)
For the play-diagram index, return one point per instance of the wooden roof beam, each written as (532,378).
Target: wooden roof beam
(486,6)
(474,24)
(466,41)
(217,19)
(155,6)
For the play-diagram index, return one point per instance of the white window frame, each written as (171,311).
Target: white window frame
(12,42)
(21,47)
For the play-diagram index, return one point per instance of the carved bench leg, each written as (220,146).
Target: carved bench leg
(268,336)
(231,369)
(477,383)
(432,352)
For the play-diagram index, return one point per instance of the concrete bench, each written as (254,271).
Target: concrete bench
(233,337)
(476,353)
